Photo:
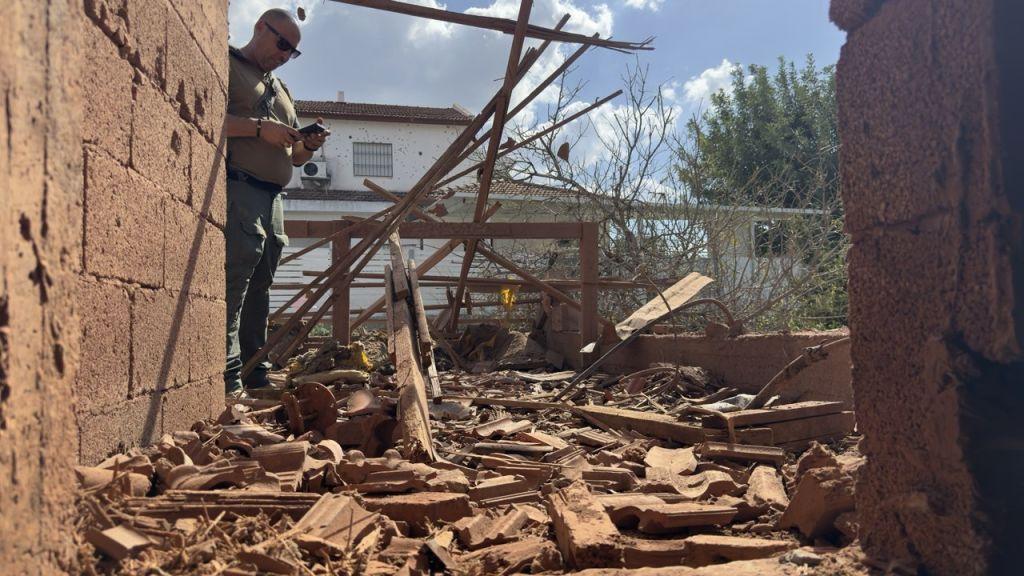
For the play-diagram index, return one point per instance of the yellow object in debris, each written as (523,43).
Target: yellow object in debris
(508,297)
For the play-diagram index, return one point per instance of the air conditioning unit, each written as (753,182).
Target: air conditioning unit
(315,171)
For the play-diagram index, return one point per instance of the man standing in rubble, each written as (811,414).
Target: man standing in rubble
(263,145)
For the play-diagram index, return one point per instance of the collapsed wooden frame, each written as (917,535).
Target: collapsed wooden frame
(353,259)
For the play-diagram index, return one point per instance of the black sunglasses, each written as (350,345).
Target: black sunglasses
(283,44)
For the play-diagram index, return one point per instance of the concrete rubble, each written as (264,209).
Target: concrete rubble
(315,478)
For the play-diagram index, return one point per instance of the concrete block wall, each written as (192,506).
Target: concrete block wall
(152,272)
(928,93)
(111,245)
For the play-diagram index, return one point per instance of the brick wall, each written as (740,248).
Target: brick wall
(111,246)
(152,274)
(930,150)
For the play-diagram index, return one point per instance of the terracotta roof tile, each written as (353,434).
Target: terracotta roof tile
(383,112)
(511,188)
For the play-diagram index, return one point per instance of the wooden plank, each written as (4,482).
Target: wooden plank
(678,294)
(829,425)
(588,287)
(340,294)
(750,436)
(782,413)
(422,326)
(399,278)
(413,415)
(654,425)
(742,452)
(390,313)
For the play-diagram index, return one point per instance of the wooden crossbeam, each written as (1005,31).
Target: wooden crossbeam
(500,24)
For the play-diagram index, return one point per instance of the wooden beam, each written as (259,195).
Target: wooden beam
(782,413)
(500,24)
(494,142)
(588,286)
(659,426)
(340,294)
(413,415)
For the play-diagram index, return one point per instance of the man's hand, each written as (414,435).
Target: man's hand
(315,141)
(279,134)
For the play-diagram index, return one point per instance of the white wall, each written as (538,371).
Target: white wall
(414,148)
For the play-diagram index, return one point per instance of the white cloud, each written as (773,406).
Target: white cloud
(652,5)
(242,15)
(699,89)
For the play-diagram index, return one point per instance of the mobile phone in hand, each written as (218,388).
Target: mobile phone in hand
(314,128)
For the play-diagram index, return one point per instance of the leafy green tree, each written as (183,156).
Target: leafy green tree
(771,140)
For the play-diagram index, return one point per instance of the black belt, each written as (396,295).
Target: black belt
(253,181)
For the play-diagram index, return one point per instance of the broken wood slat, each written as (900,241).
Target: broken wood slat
(654,425)
(743,452)
(492,23)
(507,403)
(119,542)
(422,326)
(818,427)
(389,312)
(673,297)
(399,277)
(769,415)
(586,535)
(749,436)
(413,415)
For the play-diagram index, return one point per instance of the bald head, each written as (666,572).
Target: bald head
(275,39)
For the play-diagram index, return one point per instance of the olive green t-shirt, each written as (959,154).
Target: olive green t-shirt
(253,93)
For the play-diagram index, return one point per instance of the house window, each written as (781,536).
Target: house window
(372,159)
(770,238)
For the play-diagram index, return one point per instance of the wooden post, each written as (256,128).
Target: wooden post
(588,287)
(340,291)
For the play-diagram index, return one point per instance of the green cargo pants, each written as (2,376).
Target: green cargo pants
(254,236)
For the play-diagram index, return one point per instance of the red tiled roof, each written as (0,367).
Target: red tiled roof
(512,188)
(383,112)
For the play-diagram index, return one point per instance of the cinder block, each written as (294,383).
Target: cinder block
(136,422)
(197,401)
(109,16)
(107,86)
(208,22)
(194,258)
(123,222)
(207,319)
(160,142)
(160,336)
(147,28)
(192,83)
(209,179)
(105,346)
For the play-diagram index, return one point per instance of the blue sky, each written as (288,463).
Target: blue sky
(379,57)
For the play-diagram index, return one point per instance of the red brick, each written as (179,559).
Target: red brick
(160,142)
(194,260)
(107,118)
(121,426)
(147,26)
(209,183)
(105,349)
(123,223)
(192,82)
(159,340)
(206,353)
(184,406)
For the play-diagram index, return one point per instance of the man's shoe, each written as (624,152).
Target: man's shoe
(257,380)
(237,394)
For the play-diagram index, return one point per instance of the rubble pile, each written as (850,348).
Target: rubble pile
(637,472)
